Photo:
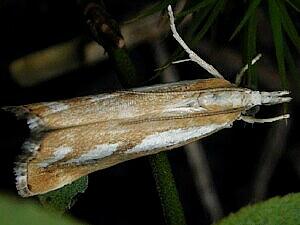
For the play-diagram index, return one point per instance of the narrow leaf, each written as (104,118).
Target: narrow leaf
(275,19)
(291,65)
(156,7)
(198,19)
(288,25)
(210,20)
(250,11)
(195,8)
(251,50)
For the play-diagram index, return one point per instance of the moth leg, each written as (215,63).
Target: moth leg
(192,55)
(250,119)
(240,75)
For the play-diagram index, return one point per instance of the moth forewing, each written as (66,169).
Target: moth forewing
(103,107)
(67,154)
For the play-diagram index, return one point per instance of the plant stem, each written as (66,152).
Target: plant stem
(166,187)
(111,39)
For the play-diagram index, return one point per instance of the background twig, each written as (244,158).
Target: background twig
(272,153)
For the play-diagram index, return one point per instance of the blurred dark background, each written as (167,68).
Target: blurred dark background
(245,163)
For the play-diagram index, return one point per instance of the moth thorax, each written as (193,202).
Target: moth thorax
(254,98)
(231,99)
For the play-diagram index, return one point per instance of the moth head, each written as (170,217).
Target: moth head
(268,98)
(265,98)
(275,97)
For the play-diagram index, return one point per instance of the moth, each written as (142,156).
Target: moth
(75,137)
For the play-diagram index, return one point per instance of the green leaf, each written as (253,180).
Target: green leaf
(275,18)
(291,65)
(288,25)
(276,211)
(210,20)
(15,212)
(64,198)
(158,6)
(251,50)
(195,8)
(198,18)
(250,11)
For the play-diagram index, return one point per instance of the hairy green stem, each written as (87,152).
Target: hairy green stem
(111,39)
(166,187)
(161,168)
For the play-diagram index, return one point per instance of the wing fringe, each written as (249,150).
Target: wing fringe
(29,148)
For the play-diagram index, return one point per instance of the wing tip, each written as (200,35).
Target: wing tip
(21,112)
(30,148)
(21,179)
(34,122)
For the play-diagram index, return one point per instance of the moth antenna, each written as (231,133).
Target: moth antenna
(240,75)
(192,55)
(249,119)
